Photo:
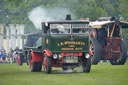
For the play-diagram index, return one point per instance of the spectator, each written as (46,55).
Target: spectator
(15,53)
(10,54)
(1,60)
(102,33)
(17,50)
(3,51)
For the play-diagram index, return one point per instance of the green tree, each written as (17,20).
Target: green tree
(89,8)
(16,11)
(124,9)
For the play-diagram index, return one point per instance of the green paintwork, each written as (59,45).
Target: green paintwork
(67,43)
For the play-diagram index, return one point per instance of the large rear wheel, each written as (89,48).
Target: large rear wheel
(123,55)
(95,51)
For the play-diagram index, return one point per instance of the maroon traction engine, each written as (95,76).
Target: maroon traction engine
(106,41)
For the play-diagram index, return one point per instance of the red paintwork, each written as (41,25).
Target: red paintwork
(48,53)
(36,57)
(113,48)
(91,53)
(18,60)
(71,54)
(59,63)
(31,62)
(45,63)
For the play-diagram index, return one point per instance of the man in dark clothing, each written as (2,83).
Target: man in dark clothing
(102,35)
(17,50)
(15,54)
(53,31)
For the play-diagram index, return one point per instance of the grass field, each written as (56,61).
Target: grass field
(101,74)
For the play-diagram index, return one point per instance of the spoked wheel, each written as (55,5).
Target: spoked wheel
(34,66)
(47,64)
(92,51)
(123,55)
(95,51)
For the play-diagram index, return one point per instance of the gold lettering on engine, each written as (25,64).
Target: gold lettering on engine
(71,43)
(64,49)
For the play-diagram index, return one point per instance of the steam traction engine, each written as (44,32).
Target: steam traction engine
(106,42)
(60,44)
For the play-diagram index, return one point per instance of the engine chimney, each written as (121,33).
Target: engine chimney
(68,17)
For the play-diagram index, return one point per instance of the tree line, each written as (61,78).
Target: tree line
(16,11)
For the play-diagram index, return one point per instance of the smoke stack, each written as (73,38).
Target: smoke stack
(68,17)
(113,18)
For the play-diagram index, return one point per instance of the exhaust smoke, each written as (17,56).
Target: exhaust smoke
(39,15)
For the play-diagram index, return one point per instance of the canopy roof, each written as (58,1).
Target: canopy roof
(99,24)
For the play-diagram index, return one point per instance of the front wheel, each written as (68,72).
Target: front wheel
(47,65)
(87,66)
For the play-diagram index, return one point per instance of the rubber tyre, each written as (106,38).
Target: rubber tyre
(34,66)
(123,55)
(87,66)
(96,51)
(47,64)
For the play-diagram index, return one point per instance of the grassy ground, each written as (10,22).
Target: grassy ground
(101,74)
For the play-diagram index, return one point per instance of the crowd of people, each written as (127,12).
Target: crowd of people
(9,57)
